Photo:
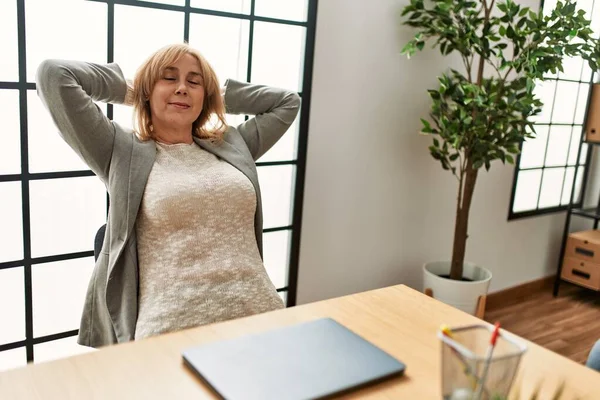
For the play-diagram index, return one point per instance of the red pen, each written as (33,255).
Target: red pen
(488,359)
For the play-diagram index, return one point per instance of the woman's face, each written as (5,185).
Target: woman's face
(177,98)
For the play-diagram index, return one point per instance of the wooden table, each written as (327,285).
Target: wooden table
(398,319)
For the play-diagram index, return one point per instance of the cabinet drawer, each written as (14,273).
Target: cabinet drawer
(581,272)
(583,249)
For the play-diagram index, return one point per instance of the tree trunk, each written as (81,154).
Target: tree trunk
(462,221)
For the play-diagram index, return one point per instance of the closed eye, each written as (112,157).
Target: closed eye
(194,83)
(169,79)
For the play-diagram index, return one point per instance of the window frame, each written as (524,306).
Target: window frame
(538,211)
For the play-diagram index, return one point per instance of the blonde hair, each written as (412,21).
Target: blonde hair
(210,124)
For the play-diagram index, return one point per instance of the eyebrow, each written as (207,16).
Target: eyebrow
(175,69)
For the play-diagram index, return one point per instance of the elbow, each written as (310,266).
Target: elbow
(295,101)
(49,74)
(46,71)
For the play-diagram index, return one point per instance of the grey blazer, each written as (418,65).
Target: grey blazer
(68,89)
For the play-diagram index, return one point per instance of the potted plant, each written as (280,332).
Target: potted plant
(482,113)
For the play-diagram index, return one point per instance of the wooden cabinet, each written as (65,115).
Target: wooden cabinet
(581,263)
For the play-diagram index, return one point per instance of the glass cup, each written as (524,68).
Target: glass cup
(467,374)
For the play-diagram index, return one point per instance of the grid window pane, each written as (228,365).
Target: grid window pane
(595,17)
(568,185)
(233,6)
(58,294)
(171,2)
(234,120)
(75,24)
(294,10)
(583,157)
(544,90)
(579,184)
(123,115)
(558,145)
(565,102)
(14,358)
(12,305)
(65,214)
(283,296)
(276,189)
(9,62)
(552,184)
(549,5)
(277,55)
(572,68)
(586,5)
(528,186)
(11,222)
(139,32)
(574,146)
(228,55)
(285,148)
(276,255)
(10,151)
(582,100)
(57,349)
(48,152)
(534,150)
(586,73)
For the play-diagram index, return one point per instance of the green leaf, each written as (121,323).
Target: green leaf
(510,159)
(408,49)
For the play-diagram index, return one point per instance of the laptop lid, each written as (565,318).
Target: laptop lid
(310,360)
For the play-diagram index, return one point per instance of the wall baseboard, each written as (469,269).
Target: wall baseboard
(515,294)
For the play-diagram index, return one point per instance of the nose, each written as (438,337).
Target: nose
(181,89)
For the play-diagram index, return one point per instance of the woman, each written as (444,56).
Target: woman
(183,244)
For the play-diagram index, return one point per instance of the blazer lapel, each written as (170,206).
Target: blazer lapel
(142,159)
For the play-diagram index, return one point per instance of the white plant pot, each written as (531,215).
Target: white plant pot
(460,294)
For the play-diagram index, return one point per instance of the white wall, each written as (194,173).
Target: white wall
(376,205)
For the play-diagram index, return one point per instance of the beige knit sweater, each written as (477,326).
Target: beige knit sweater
(198,258)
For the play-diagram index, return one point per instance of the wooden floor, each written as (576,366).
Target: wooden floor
(568,324)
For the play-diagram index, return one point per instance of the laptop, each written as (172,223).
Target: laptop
(310,360)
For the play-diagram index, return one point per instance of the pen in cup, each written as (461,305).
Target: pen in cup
(488,360)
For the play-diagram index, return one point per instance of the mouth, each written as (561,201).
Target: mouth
(181,106)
